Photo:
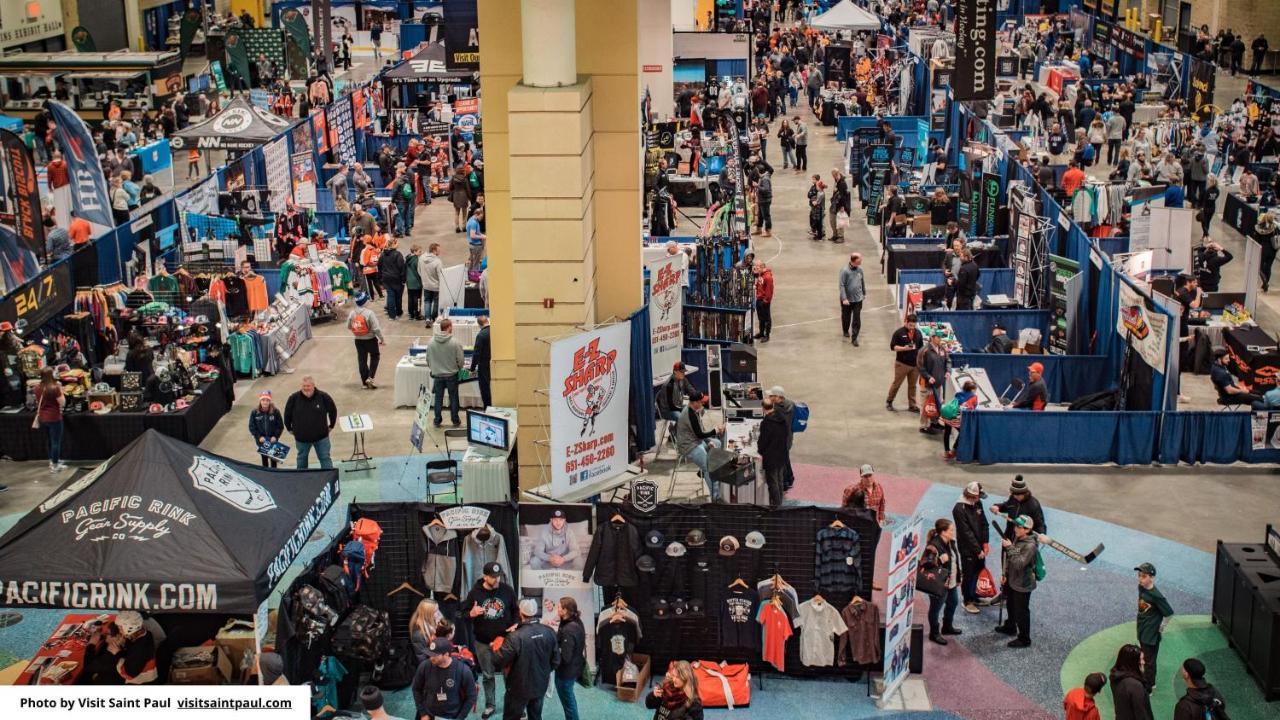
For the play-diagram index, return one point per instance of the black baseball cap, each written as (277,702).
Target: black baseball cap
(492,569)
(557,514)
(655,539)
(438,647)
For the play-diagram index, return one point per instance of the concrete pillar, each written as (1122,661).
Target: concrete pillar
(656,52)
(547,27)
(133,27)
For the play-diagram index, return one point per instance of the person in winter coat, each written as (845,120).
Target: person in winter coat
(1021,502)
(774,455)
(676,698)
(1079,703)
(445,358)
(853,291)
(1265,234)
(972,537)
(966,399)
(817,207)
(266,425)
(764,300)
(531,652)
(460,196)
(413,282)
(490,607)
(1020,560)
(933,373)
(364,328)
(966,286)
(764,203)
(430,267)
(391,266)
(942,554)
(1128,692)
(840,202)
(310,415)
(572,639)
(1201,700)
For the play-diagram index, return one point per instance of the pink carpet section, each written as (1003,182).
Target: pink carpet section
(968,688)
(823,485)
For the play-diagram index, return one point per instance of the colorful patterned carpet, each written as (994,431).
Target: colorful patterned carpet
(1080,617)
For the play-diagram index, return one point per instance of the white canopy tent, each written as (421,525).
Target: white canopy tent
(846,16)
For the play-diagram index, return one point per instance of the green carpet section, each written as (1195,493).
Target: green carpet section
(1187,636)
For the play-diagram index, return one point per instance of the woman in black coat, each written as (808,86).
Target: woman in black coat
(1128,691)
(941,553)
(573,642)
(266,425)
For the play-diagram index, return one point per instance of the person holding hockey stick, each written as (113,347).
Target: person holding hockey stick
(1021,575)
(1020,502)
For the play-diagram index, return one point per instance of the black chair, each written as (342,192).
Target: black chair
(1229,403)
(441,474)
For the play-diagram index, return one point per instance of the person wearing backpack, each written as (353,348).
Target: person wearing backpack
(949,413)
(364,328)
(369,260)
(1202,701)
(1021,575)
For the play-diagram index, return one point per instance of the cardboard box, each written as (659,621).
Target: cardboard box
(920,225)
(215,672)
(631,692)
(234,641)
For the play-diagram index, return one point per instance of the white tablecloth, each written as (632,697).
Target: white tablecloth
(410,378)
(485,477)
(465,330)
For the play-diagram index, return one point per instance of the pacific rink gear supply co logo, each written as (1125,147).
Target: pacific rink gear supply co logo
(664,289)
(644,495)
(590,388)
(217,478)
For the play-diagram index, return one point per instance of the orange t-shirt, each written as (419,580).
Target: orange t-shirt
(776,627)
(1072,179)
(79,230)
(256,289)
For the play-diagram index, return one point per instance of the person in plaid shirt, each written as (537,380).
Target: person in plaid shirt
(871,490)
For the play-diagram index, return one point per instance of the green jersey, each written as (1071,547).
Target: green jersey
(1152,610)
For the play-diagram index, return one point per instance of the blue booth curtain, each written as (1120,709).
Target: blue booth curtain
(1083,438)
(1066,377)
(973,327)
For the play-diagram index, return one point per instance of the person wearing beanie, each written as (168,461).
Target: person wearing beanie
(1079,703)
(1201,700)
(973,536)
(490,606)
(444,688)
(271,669)
(530,653)
(1154,612)
(693,443)
(266,425)
(1021,502)
(364,327)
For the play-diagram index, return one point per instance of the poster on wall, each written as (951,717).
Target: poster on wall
(554,542)
(975,50)
(275,156)
(900,599)
(1146,328)
(359,109)
(462,34)
(1266,430)
(1202,80)
(342,127)
(590,385)
(303,170)
(1061,270)
(320,126)
(666,323)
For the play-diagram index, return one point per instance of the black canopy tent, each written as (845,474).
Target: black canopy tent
(426,66)
(239,126)
(164,527)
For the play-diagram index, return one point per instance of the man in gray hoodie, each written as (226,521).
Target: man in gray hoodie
(853,289)
(364,327)
(430,266)
(444,357)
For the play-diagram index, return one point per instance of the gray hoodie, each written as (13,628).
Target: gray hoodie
(429,268)
(371,320)
(476,554)
(444,355)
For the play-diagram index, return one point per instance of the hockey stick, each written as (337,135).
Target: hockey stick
(1000,532)
(1082,559)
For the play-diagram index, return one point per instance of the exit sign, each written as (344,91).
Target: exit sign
(653,68)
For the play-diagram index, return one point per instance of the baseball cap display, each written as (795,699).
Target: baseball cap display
(1146,569)
(654,539)
(675,550)
(755,540)
(695,538)
(695,606)
(728,545)
(661,608)
(645,563)
(492,569)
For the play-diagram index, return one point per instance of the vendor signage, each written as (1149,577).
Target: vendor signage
(27,220)
(275,155)
(1061,270)
(219,479)
(590,386)
(342,126)
(666,303)
(1202,79)
(559,540)
(303,169)
(39,300)
(1129,41)
(1145,327)
(900,600)
(464,517)
(1266,431)
(462,34)
(990,203)
(975,77)
(88,185)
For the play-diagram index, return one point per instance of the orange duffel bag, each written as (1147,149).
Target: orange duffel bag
(723,685)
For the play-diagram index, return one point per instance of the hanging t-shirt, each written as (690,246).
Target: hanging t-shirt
(775,630)
(820,624)
(738,627)
(614,642)
(163,283)
(237,300)
(256,289)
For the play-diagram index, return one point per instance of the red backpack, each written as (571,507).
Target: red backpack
(369,533)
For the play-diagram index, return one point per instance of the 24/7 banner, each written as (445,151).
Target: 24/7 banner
(590,385)
(666,310)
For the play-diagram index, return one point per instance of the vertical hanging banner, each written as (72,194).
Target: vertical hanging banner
(1202,80)
(275,155)
(25,193)
(191,21)
(990,203)
(83,39)
(295,25)
(462,34)
(666,311)
(238,59)
(342,125)
(303,169)
(359,109)
(1145,327)
(320,126)
(900,600)
(975,76)
(89,196)
(1061,270)
(590,388)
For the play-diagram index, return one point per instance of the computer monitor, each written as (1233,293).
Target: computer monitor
(487,430)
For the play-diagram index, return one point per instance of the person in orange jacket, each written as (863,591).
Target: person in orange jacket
(764,300)
(1079,704)
(369,258)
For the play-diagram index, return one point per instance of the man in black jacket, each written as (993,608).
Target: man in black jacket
(444,687)
(966,281)
(1020,502)
(933,375)
(490,606)
(392,268)
(774,455)
(840,202)
(1260,47)
(973,535)
(671,394)
(533,652)
(572,638)
(481,355)
(310,414)
(1202,700)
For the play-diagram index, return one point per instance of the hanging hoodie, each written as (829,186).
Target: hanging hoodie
(477,552)
(440,565)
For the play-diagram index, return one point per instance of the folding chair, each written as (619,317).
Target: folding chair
(457,434)
(442,474)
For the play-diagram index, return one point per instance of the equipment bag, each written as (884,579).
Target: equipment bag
(723,685)
(365,635)
(369,533)
(800,418)
(336,587)
(396,671)
(353,563)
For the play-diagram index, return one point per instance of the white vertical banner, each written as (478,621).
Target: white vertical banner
(666,311)
(589,390)
(900,600)
(1147,329)
(1252,274)
(275,155)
